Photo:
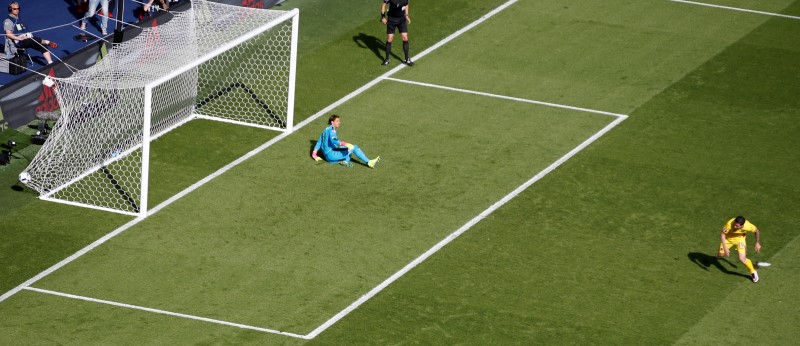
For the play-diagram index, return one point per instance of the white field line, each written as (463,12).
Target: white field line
(71,258)
(163,312)
(245,157)
(464,228)
(737,9)
(506,97)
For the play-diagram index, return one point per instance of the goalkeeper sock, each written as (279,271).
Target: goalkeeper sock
(360,154)
(749,265)
(388,50)
(405,49)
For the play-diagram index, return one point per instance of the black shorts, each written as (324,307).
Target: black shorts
(396,22)
(33,43)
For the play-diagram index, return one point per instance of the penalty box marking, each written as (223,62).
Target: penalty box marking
(452,236)
(620,117)
(438,246)
(736,9)
(377,289)
(511,98)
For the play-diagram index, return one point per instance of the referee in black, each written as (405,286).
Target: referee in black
(395,16)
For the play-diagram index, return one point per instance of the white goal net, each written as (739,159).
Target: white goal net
(214,61)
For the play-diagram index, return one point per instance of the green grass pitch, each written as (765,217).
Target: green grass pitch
(612,247)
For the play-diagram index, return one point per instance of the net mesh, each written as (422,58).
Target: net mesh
(214,60)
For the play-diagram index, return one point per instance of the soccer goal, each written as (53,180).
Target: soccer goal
(213,61)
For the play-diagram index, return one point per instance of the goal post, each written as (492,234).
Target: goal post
(213,61)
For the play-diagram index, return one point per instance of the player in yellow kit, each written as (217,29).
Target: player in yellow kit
(734,233)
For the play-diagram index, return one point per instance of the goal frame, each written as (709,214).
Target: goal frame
(147,138)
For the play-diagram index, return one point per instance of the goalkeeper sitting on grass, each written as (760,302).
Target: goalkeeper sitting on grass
(336,150)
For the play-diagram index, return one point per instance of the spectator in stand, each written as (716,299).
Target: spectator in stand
(164,5)
(92,10)
(148,9)
(17,37)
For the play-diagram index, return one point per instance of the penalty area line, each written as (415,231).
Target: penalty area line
(510,98)
(163,312)
(452,236)
(736,9)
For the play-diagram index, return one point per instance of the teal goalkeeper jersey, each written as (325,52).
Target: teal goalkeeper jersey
(328,140)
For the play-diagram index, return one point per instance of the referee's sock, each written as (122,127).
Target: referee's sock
(388,50)
(405,49)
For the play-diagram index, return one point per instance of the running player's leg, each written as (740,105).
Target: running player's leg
(741,247)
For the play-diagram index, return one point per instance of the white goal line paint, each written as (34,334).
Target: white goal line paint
(737,9)
(163,312)
(465,227)
(506,97)
(71,258)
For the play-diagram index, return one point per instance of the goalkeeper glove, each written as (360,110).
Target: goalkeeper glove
(315,157)
(348,145)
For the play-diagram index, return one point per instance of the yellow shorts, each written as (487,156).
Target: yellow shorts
(741,245)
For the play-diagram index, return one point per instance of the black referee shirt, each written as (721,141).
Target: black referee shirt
(397,8)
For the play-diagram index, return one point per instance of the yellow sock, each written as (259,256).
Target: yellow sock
(749,265)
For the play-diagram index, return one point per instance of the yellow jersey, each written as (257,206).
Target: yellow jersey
(742,232)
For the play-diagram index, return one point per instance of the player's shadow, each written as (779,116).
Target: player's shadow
(370,42)
(376,45)
(705,261)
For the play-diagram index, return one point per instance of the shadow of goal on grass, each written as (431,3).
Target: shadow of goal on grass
(705,261)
